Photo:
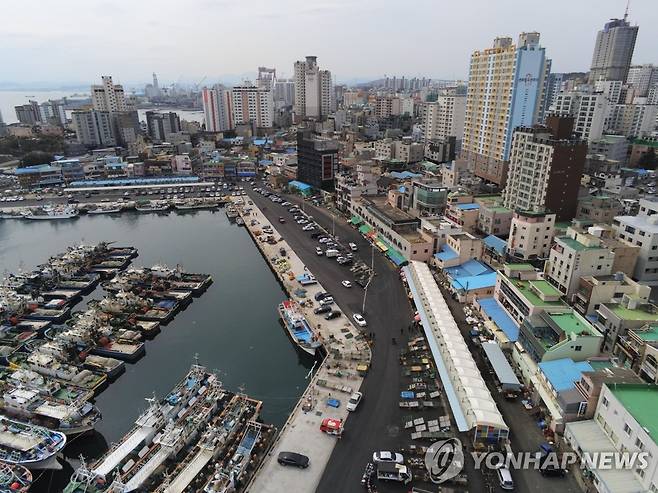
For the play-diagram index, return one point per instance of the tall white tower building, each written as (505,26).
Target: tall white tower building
(108,96)
(314,95)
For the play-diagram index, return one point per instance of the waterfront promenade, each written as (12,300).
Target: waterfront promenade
(345,349)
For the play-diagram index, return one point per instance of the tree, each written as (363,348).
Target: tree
(648,160)
(36,157)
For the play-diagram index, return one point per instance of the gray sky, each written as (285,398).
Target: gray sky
(71,41)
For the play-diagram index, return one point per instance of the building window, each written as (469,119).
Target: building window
(627,429)
(639,444)
(605,402)
(578,348)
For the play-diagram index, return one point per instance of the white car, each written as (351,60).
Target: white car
(319,251)
(347,284)
(353,247)
(360,321)
(386,456)
(355,398)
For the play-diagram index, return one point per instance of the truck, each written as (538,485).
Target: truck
(331,253)
(391,471)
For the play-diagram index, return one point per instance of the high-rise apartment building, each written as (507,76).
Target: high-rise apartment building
(506,89)
(553,88)
(252,105)
(94,128)
(613,51)
(284,92)
(266,78)
(642,78)
(546,165)
(589,109)
(314,95)
(217,108)
(632,120)
(444,117)
(161,126)
(108,96)
(28,113)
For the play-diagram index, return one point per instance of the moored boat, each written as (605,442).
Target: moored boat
(298,327)
(14,478)
(29,445)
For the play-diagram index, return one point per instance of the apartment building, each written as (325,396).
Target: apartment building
(217,108)
(531,234)
(642,231)
(108,96)
(253,105)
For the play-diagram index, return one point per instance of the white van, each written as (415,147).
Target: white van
(505,478)
(331,253)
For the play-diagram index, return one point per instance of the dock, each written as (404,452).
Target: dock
(345,349)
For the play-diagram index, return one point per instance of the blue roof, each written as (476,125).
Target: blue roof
(265,162)
(299,185)
(563,373)
(470,283)
(446,253)
(471,268)
(405,174)
(495,243)
(135,181)
(497,313)
(468,207)
(259,142)
(38,168)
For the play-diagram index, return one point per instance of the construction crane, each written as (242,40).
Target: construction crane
(198,84)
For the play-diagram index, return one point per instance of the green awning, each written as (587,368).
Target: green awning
(364,229)
(397,258)
(356,220)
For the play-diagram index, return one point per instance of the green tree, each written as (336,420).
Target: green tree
(648,160)
(36,157)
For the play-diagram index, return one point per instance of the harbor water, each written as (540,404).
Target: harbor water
(233,327)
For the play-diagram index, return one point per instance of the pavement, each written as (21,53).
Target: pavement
(301,433)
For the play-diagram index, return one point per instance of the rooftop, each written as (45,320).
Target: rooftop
(524,286)
(497,313)
(649,333)
(562,374)
(495,243)
(468,207)
(640,222)
(573,324)
(630,314)
(519,267)
(575,245)
(641,401)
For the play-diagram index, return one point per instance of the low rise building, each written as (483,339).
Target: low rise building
(465,215)
(41,175)
(615,319)
(642,231)
(624,421)
(493,218)
(531,235)
(638,350)
(595,290)
(573,256)
(598,208)
(458,249)
(549,336)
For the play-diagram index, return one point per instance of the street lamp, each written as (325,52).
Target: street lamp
(372,274)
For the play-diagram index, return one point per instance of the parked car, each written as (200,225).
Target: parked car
(331,315)
(319,251)
(282,220)
(322,309)
(353,247)
(387,456)
(346,283)
(320,295)
(353,403)
(360,321)
(293,459)
(328,300)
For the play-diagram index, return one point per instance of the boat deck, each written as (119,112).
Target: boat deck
(191,470)
(124,448)
(148,468)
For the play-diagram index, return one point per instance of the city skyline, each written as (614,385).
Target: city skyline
(441,38)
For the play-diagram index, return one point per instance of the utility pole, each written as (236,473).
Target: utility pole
(372,274)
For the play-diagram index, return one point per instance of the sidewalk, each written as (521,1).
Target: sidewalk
(345,349)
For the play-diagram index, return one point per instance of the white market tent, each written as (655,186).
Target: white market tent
(470,400)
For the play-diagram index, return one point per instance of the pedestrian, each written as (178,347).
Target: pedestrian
(401,330)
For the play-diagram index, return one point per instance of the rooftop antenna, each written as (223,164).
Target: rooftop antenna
(628,3)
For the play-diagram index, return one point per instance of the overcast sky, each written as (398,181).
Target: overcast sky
(77,41)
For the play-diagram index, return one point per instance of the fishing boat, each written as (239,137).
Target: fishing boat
(70,418)
(14,478)
(106,209)
(29,445)
(49,366)
(194,204)
(239,221)
(49,212)
(298,327)
(12,213)
(231,212)
(153,206)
